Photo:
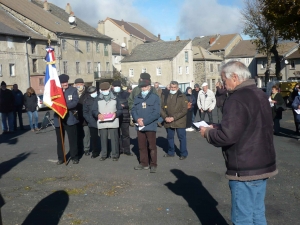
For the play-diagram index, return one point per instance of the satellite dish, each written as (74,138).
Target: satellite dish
(123,45)
(72,19)
(286,61)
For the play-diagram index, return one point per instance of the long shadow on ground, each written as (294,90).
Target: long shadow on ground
(198,198)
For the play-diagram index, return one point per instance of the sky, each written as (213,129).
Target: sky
(169,18)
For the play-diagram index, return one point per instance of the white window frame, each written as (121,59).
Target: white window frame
(187,70)
(131,72)
(64,44)
(88,46)
(144,70)
(211,67)
(158,71)
(65,67)
(89,67)
(97,47)
(12,69)
(179,69)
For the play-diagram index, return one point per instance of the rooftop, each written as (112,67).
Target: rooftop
(244,49)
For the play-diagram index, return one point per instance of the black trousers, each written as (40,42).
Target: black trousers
(209,116)
(72,136)
(18,112)
(124,138)
(296,123)
(94,141)
(189,118)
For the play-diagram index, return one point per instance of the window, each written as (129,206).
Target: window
(180,69)
(77,67)
(105,49)
(33,47)
(131,74)
(107,67)
(98,47)
(292,66)
(219,67)
(158,71)
(0,70)
(34,65)
(187,70)
(65,65)
(211,68)
(89,67)
(186,56)
(262,64)
(64,44)
(88,48)
(144,70)
(12,69)
(41,81)
(76,46)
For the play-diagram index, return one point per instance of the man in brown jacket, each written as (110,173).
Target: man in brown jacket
(173,111)
(246,137)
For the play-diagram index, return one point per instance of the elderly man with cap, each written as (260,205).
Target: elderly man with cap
(124,119)
(206,102)
(107,110)
(195,93)
(145,112)
(91,121)
(69,123)
(83,130)
(7,108)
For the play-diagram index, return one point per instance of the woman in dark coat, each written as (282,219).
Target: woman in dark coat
(278,105)
(30,102)
(189,116)
(292,98)
(221,96)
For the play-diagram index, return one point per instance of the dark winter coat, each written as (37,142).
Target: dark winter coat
(278,106)
(246,134)
(295,105)
(135,92)
(79,107)
(174,106)
(195,94)
(122,97)
(190,98)
(150,113)
(87,111)
(19,98)
(72,99)
(221,96)
(6,101)
(30,102)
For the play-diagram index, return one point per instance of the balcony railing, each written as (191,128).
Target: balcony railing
(103,75)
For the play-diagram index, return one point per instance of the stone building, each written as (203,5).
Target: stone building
(164,61)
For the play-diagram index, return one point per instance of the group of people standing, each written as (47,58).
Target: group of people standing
(11,108)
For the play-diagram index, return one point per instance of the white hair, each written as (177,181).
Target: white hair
(238,68)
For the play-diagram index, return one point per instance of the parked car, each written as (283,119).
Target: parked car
(41,105)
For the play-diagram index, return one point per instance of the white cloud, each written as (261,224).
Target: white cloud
(203,17)
(93,11)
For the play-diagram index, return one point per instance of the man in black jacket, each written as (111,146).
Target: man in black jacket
(124,119)
(246,137)
(195,92)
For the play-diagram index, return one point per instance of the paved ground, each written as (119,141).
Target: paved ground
(193,191)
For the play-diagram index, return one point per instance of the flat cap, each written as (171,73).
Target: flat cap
(145,76)
(78,80)
(204,84)
(63,78)
(196,86)
(104,86)
(116,83)
(91,89)
(3,83)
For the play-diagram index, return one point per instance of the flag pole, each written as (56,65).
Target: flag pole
(62,141)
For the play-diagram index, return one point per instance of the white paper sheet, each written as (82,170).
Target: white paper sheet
(140,128)
(297,111)
(201,124)
(271,104)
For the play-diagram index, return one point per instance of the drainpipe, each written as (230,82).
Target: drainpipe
(27,58)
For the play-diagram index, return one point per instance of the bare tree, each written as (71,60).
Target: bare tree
(263,34)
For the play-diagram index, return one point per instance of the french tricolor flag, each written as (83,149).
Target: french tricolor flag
(53,93)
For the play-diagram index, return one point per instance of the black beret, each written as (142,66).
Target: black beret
(196,85)
(3,83)
(116,83)
(78,80)
(104,86)
(63,78)
(91,89)
(145,76)
(144,82)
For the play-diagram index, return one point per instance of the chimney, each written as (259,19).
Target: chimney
(123,27)
(46,6)
(101,27)
(177,38)
(68,8)
(212,39)
(158,37)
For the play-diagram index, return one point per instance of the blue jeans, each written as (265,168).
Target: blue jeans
(248,202)
(8,117)
(181,134)
(33,116)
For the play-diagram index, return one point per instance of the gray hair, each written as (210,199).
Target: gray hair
(173,82)
(238,68)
